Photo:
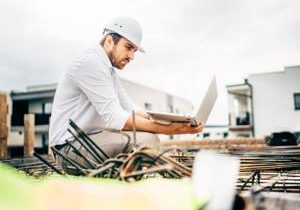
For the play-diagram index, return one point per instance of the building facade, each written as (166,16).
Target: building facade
(265,103)
(38,100)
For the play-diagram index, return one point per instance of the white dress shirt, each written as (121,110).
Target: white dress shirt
(90,93)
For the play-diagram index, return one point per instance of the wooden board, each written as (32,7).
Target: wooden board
(29,136)
(3,125)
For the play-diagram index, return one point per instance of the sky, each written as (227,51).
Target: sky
(186,42)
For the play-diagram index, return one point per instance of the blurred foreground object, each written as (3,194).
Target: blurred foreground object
(214,178)
(20,192)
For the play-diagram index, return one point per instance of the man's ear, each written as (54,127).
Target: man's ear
(110,42)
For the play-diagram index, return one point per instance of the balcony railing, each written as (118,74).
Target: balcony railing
(242,119)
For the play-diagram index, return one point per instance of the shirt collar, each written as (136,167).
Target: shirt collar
(105,58)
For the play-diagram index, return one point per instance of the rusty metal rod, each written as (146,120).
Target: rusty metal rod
(87,148)
(90,162)
(70,161)
(88,140)
(47,163)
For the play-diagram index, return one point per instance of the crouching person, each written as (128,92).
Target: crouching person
(91,94)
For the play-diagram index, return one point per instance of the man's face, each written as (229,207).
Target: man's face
(121,53)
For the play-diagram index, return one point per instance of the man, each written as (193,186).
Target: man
(91,94)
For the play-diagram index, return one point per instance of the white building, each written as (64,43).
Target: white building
(38,100)
(213,132)
(265,103)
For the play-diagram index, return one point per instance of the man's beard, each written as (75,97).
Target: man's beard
(114,61)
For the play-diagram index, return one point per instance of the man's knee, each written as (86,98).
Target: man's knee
(148,140)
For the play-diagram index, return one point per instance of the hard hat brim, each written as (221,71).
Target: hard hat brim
(109,31)
(141,49)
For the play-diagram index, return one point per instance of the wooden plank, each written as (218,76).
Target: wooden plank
(3,125)
(217,143)
(50,150)
(49,147)
(29,137)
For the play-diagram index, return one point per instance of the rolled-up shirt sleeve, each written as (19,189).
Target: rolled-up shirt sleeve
(125,100)
(95,81)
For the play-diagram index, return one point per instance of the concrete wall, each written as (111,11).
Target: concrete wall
(141,94)
(273,98)
(182,106)
(159,100)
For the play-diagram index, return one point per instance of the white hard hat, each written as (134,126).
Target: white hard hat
(128,28)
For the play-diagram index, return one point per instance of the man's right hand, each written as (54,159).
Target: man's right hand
(183,128)
(146,125)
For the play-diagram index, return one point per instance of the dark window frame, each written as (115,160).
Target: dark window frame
(297,106)
(148,106)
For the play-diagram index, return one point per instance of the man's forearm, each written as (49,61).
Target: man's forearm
(142,113)
(143,124)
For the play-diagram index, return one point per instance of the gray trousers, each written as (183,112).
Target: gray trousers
(110,142)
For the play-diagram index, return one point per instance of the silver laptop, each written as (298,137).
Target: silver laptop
(200,116)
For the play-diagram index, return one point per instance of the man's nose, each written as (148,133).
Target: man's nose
(131,55)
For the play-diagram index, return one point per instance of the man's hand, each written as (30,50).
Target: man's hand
(143,114)
(183,128)
(144,124)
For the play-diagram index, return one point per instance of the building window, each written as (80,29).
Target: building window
(206,135)
(297,101)
(225,135)
(47,109)
(148,106)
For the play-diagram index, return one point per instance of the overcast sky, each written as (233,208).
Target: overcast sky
(186,42)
